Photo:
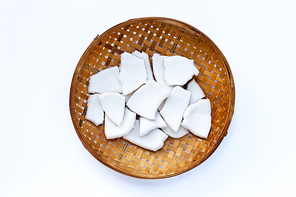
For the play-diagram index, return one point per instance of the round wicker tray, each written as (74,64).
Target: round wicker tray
(167,37)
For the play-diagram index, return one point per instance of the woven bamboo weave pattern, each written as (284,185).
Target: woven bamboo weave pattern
(166,37)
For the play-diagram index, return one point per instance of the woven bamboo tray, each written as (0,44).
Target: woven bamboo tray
(166,37)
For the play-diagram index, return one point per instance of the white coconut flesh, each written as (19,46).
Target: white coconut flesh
(174,107)
(197,118)
(105,81)
(144,56)
(147,125)
(196,91)
(161,105)
(147,99)
(128,96)
(132,73)
(94,112)
(153,141)
(113,105)
(178,70)
(180,133)
(158,70)
(113,131)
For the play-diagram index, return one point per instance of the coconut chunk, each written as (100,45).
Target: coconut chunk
(132,73)
(144,56)
(178,70)
(113,104)
(196,91)
(174,107)
(128,96)
(180,133)
(94,112)
(147,99)
(147,125)
(161,105)
(105,81)
(153,141)
(113,131)
(197,118)
(158,70)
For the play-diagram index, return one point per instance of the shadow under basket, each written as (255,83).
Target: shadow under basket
(166,37)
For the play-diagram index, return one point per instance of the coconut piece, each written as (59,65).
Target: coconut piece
(161,105)
(113,131)
(147,99)
(178,70)
(174,107)
(196,91)
(197,118)
(113,104)
(144,56)
(132,73)
(128,96)
(105,81)
(158,70)
(147,125)
(94,112)
(180,133)
(153,141)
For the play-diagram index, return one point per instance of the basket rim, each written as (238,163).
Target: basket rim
(172,22)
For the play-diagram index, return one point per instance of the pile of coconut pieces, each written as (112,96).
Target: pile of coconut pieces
(146,107)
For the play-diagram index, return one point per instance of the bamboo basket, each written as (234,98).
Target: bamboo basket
(166,37)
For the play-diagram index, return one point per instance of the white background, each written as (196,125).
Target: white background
(41,43)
